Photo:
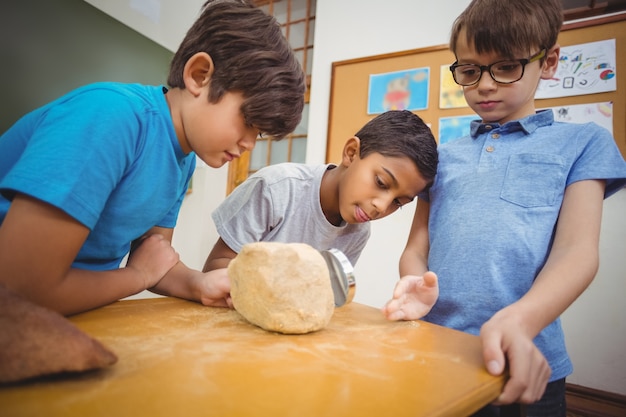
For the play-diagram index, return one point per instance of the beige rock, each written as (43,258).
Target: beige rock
(282,287)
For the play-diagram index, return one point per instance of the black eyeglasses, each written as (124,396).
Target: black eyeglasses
(503,72)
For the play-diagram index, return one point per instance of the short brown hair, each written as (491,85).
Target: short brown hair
(251,56)
(398,134)
(509,27)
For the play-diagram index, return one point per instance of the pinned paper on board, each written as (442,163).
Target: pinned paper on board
(599,113)
(455,127)
(450,93)
(400,90)
(585,68)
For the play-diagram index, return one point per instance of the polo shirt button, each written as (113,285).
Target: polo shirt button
(488,127)
(496,136)
(490,149)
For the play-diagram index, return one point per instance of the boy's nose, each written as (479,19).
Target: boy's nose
(382,204)
(486,80)
(248,141)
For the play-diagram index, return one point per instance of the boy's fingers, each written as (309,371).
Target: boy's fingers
(493,355)
(396,315)
(400,288)
(430,279)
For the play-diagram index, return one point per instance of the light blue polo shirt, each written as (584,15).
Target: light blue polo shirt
(494,207)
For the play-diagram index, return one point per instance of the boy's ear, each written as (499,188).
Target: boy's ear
(351,150)
(197,72)
(551,62)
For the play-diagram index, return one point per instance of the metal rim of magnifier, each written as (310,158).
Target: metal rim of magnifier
(341,276)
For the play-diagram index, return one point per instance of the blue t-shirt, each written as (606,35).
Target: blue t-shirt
(106,154)
(493,211)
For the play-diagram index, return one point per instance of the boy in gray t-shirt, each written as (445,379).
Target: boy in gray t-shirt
(384,166)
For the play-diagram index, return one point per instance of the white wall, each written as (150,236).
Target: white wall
(351,29)
(163,21)
(595,326)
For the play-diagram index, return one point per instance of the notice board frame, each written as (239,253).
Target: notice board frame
(350,81)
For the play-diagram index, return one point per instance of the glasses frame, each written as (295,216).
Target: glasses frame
(524,61)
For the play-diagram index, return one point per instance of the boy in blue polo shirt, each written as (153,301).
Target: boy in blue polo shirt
(108,165)
(511,225)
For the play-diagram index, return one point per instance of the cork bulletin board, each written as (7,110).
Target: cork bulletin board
(350,84)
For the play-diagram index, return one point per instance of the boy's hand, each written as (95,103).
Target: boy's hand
(215,289)
(505,340)
(413,297)
(152,259)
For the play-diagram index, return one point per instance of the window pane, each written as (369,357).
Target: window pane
(301,37)
(309,61)
(298,9)
(298,150)
(258,157)
(280,151)
(311,32)
(299,56)
(302,127)
(296,34)
(280,11)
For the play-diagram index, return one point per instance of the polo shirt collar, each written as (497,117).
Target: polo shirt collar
(528,124)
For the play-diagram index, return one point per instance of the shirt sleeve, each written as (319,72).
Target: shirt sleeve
(70,138)
(246,215)
(599,158)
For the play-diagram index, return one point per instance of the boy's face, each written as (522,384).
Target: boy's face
(217,132)
(497,102)
(375,186)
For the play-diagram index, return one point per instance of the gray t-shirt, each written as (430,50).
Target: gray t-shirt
(281,203)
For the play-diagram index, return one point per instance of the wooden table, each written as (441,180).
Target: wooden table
(178,358)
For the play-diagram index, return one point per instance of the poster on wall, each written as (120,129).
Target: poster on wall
(450,93)
(451,128)
(599,113)
(585,68)
(400,90)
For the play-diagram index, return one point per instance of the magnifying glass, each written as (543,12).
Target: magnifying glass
(341,276)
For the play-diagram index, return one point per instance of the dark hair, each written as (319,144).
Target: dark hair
(400,133)
(509,27)
(251,56)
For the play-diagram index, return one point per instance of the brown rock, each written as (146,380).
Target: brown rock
(35,341)
(282,287)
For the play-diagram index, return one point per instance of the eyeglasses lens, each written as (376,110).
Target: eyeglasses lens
(505,72)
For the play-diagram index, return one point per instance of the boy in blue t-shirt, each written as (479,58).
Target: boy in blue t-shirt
(106,167)
(511,225)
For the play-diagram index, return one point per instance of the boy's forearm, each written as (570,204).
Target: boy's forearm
(216,263)
(414,258)
(84,290)
(219,257)
(179,282)
(411,263)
